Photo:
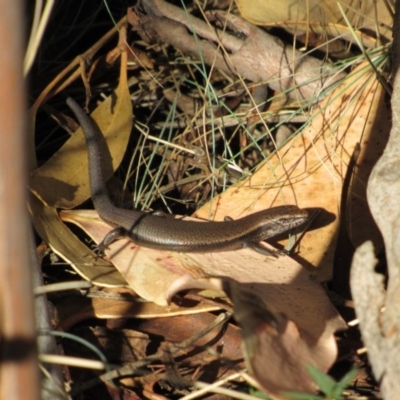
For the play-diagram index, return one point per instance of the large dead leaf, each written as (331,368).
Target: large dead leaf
(277,351)
(65,244)
(322,17)
(309,170)
(74,309)
(62,181)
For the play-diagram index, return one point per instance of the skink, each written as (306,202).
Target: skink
(160,232)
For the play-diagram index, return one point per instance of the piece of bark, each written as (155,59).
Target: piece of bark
(251,54)
(377,310)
